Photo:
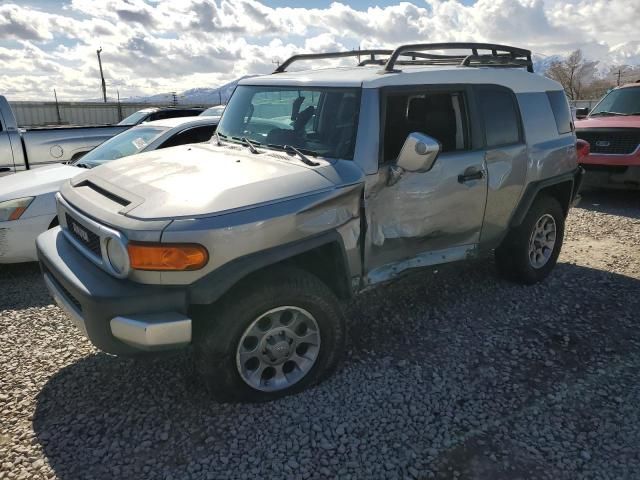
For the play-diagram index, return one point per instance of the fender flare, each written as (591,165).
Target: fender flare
(214,285)
(532,190)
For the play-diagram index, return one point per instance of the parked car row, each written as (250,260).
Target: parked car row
(27,199)
(317,185)
(25,149)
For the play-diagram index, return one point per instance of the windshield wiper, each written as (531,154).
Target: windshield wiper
(605,113)
(248,143)
(306,160)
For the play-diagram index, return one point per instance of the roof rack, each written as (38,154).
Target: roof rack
(351,53)
(319,56)
(499,56)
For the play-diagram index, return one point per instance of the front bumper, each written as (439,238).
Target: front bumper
(612,171)
(612,177)
(118,316)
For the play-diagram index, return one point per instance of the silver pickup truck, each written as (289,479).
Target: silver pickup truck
(23,149)
(319,184)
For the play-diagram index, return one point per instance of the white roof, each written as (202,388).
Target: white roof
(180,122)
(518,80)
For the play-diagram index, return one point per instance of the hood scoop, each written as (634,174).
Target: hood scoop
(99,190)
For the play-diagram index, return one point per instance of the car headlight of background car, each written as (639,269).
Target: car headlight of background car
(13,209)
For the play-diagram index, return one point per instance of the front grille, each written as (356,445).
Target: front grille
(611,142)
(85,236)
(616,169)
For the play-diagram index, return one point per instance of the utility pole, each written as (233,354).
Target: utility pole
(57,107)
(619,73)
(119,105)
(174,98)
(219,96)
(104,85)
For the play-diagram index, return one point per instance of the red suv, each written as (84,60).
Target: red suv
(613,131)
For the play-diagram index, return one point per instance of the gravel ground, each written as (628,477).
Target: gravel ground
(450,374)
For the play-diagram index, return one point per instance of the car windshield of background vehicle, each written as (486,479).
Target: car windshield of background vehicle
(622,101)
(317,121)
(213,112)
(134,118)
(124,144)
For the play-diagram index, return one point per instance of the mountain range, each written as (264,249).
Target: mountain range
(193,96)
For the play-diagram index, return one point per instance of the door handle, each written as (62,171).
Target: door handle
(470,174)
(5,169)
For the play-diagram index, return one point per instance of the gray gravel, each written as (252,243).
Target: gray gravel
(450,374)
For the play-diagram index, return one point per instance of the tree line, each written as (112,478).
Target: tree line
(582,80)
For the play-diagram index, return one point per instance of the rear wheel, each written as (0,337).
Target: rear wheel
(273,335)
(530,251)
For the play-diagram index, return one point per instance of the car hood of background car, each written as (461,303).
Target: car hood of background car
(611,121)
(36,182)
(200,180)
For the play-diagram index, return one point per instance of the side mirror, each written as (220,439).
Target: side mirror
(418,153)
(582,112)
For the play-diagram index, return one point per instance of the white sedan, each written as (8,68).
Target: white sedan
(27,199)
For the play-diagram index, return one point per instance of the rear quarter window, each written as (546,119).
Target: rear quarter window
(561,112)
(501,116)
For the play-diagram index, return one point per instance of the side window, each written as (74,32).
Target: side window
(500,115)
(441,115)
(192,135)
(561,112)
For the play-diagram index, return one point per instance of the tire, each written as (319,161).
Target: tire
(272,304)
(514,259)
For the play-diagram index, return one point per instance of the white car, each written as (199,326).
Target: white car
(27,199)
(213,111)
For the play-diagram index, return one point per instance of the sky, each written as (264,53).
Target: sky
(154,46)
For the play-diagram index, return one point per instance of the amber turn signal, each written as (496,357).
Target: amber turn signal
(167,256)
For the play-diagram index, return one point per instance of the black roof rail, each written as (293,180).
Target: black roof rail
(319,56)
(500,56)
(351,53)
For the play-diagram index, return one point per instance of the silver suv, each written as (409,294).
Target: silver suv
(319,184)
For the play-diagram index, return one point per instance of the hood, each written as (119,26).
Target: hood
(614,121)
(35,182)
(203,179)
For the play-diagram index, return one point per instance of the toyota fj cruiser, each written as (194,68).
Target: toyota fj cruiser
(319,184)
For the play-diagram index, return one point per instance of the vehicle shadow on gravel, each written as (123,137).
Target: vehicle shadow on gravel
(624,203)
(448,370)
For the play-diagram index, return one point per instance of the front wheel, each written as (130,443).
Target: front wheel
(530,251)
(273,335)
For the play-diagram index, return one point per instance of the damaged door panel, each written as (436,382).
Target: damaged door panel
(425,212)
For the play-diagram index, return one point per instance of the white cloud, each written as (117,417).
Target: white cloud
(176,45)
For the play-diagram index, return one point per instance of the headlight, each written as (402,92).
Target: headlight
(13,209)
(117,255)
(167,256)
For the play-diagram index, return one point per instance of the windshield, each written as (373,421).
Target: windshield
(625,101)
(124,144)
(213,112)
(319,121)
(135,118)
